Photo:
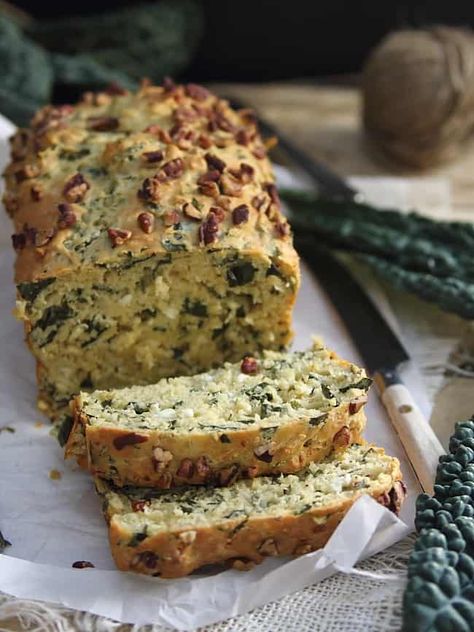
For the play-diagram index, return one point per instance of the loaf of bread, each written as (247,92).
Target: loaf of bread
(172,533)
(149,240)
(268,415)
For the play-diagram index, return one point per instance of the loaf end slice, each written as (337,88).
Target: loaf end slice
(265,415)
(149,240)
(173,533)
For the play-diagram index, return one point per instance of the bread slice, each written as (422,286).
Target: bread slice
(172,533)
(266,416)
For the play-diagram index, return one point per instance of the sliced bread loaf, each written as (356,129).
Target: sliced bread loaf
(266,416)
(172,533)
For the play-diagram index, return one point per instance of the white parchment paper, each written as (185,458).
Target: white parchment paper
(52,523)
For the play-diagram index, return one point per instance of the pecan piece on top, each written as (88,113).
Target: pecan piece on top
(171,218)
(152,157)
(230,186)
(139,505)
(146,221)
(150,190)
(209,229)
(174,168)
(26,173)
(258,201)
(240,214)
(209,188)
(67,217)
(195,91)
(282,229)
(75,188)
(249,366)
(214,162)
(102,123)
(118,236)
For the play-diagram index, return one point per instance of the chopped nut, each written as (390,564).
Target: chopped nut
(191,211)
(264,452)
(76,188)
(146,221)
(36,192)
(147,558)
(82,564)
(357,404)
(171,218)
(209,176)
(187,537)
(103,123)
(55,475)
(197,92)
(243,137)
(268,547)
(204,141)
(210,189)
(201,468)
(27,172)
(67,217)
(230,186)
(161,458)
(158,131)
(174,168)
(209,229)
(118,236)
(258,201)
(215,163)
(218,213)
(244,174)
(272,192)
(342,438)
(129,438)
(139,505)
(249,366)
(152,157)
(150,190)
(282,229)
(240,214)
(186,468)
(18,241)
(397,496)
(259,152)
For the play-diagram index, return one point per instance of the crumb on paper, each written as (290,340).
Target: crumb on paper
(82,564)
(9,429)
(39,424)
(55,475)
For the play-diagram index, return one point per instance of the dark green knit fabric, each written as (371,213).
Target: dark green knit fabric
(439,596)
(144,40)
(432,259)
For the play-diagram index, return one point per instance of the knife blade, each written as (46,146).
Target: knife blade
(328,183)
(382,353)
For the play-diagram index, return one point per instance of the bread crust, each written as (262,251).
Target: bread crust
(179,552)
(204,458)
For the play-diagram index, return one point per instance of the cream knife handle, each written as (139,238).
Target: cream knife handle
(418,439)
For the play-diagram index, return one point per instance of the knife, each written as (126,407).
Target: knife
(328,183)
(383,355)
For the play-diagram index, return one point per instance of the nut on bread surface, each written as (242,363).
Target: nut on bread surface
(275,413)
(149,239)
(172,533)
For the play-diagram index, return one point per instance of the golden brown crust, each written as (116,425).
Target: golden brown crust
(180,552)
(178,155)
(158,459)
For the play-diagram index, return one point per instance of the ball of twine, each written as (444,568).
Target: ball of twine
(418,94)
